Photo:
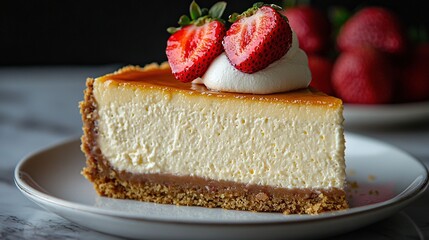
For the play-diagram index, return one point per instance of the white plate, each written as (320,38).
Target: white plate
(387,178)
(388,114)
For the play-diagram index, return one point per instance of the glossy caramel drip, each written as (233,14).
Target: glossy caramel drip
(154,76)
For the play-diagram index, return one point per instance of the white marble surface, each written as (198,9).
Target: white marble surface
(39,107)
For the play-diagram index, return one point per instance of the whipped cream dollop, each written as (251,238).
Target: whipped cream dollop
(289,73)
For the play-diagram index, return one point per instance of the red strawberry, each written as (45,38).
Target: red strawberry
(321,70)
(374,26)
(311,26)
(258,37)
(414,84)
(192,47)
(363,75)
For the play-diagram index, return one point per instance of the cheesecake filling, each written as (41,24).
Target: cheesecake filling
(286,74)
(130,126)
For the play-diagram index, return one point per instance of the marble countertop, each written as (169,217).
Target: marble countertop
(39,107)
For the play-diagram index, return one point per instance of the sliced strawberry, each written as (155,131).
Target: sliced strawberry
(260,36)
(192,47)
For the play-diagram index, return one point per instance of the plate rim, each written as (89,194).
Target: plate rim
(397,201)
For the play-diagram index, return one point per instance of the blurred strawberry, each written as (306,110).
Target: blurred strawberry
(321,70)
(311,26)
(363,75)
(374,26)
(414,84)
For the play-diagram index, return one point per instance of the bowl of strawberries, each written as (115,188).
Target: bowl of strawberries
(368,58)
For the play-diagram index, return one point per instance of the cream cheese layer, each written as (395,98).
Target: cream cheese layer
(150,130)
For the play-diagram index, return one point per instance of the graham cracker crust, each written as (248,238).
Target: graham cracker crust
(193,191)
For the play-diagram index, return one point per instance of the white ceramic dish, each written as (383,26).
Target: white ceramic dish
(389,114)
(384,180)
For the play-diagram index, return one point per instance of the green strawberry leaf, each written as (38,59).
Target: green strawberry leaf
(172,30)
(194,10)
(233,17)
(184,20)
(200,16)
(217,9)
(258,4)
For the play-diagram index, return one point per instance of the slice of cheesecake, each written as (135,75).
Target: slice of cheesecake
(152,138)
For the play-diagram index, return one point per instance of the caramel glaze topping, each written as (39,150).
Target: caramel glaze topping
(160,76)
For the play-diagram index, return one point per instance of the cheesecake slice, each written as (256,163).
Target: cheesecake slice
(152,138)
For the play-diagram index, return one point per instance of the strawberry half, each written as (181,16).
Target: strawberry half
(193,46)
(257,38)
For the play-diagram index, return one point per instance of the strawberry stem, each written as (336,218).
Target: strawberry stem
(258,4)
(233,17)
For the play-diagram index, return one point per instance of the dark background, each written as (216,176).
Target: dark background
(120,32)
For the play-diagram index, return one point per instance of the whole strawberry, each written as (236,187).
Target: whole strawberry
(311,26)
(257,38)
(193,46)
(321,71)
(373,26)
(414,84)
(364,76)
